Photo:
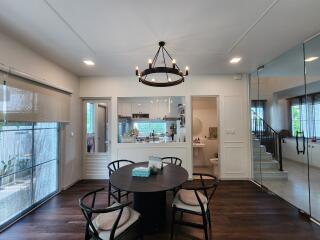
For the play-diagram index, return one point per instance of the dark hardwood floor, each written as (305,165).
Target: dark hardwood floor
(240,210)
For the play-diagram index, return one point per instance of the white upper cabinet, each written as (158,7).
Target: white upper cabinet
(153,114)
(173,108)
(143,107)
(162,109)
(124,109)
(157,108)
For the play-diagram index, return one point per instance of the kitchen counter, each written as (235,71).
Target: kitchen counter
(140,152)
(142,140)
(156,143)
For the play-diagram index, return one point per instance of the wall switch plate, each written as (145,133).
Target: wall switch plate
(230,131)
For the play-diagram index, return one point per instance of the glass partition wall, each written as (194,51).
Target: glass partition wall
(257,115)
(285,98)
(312,66)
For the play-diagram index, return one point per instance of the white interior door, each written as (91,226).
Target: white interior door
(96,135)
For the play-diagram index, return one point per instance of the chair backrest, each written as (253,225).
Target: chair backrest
(88,209)
(113,166)
(172,160)
(208,185)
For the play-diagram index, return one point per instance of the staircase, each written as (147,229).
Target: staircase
(264,160)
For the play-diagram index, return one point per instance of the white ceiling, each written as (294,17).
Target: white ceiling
(120,34)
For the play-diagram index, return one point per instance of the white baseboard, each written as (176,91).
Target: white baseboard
(236,179)
(63,188)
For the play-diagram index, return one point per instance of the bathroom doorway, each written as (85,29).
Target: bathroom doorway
(205,142)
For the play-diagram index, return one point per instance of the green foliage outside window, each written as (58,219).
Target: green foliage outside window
(295,116)
(145,128)
(90,118)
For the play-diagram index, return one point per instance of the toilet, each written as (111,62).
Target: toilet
(215,163)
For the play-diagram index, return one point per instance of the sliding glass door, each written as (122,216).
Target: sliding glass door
(30,116)
(28,166)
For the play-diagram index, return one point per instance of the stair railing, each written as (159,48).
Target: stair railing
(268,137)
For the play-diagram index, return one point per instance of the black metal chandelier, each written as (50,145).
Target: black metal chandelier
(162,76)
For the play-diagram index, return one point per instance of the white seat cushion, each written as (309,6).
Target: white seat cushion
(105,221)
(189,197)
(193,208)
(105,235)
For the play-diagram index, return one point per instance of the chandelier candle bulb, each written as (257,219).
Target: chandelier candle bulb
(137,70)
(150,63)
(187,70)
(173,63)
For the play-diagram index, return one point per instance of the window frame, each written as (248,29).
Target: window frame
(258,104)
(307,102)
(34,204)
(149,122)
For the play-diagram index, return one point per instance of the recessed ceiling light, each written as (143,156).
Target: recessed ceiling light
(310,59)
(88,62)
(235,60)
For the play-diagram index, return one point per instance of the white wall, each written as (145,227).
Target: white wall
(233,106)
(22,58)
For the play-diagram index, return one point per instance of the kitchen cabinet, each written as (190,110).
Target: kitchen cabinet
(162,109)
(289,152)
(314,154)
(173,109)
(124,109)
(156,108)
(143,107)
(153,113)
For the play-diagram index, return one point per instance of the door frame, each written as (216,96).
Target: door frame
(104,156)
(192,97)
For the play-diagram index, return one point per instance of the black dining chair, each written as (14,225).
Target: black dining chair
(194,198)
(114,192)
(111,218)
(172,160)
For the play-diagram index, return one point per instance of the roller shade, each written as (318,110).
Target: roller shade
(22,100)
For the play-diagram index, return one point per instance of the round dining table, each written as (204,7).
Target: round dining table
(150,192)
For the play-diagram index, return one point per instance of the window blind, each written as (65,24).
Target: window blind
(28,101)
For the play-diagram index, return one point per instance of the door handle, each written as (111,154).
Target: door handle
(298,145)
(297,142)
(304,143)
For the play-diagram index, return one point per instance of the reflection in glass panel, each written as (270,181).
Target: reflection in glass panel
(284,161)
(312,54)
